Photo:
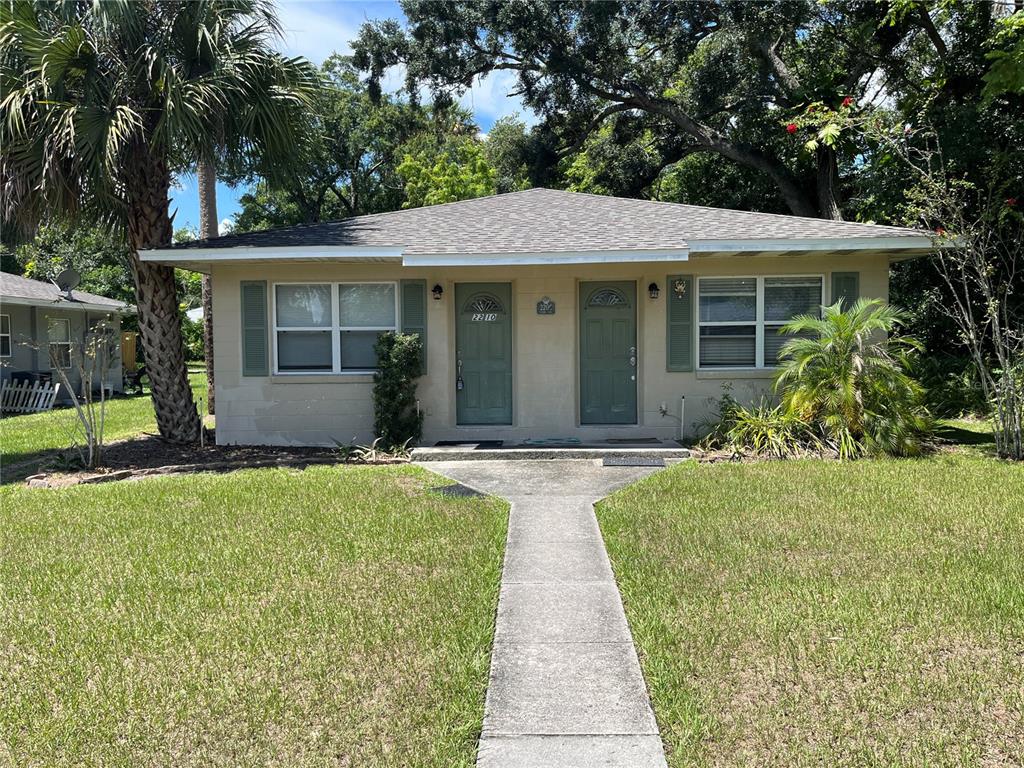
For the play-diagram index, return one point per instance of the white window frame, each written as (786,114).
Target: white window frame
(49,343)
(9,336)
(334,328)
(758,322)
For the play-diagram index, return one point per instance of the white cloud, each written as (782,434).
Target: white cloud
(226,225)
(489,98)
(316,29)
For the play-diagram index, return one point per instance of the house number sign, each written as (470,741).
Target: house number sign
(484,317)
(545,306)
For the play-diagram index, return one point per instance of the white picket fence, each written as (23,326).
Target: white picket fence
(27,397)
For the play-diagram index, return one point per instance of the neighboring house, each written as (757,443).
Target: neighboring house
(545,314)
(39,323)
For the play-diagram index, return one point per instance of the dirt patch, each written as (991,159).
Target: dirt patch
(151,455)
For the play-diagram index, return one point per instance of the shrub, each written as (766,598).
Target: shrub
(843,377)
(951,386)
(397,421)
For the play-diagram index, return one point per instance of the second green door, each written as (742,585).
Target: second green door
(608,353)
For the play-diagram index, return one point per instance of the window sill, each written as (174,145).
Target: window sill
(736,373)
(355,377)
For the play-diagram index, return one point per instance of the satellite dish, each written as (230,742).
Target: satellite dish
(68,280)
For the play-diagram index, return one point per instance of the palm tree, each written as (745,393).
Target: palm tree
(844,375)
(102,101)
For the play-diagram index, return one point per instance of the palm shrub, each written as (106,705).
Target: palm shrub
(397,421)
(845,378)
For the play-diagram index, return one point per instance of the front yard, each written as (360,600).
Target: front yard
(819,613)
(336,616)
(31,436)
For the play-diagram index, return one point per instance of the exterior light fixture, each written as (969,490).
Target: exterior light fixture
(438,291)
(653,291)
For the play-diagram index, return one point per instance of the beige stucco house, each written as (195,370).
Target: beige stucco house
(546,315)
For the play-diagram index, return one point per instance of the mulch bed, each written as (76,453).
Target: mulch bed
(152,455)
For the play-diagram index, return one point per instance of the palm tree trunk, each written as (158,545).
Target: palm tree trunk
(149,226)
(206,174)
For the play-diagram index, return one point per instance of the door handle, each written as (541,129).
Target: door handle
(459,384)
(632,356)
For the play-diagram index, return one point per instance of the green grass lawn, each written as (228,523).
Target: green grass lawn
(822,613)
(338,616)
(26,436)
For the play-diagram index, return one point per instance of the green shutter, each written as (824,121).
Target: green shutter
(255,349)
(845,286)
(679,314)
(414,313)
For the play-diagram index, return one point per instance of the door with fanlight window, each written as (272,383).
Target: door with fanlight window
(483,357)
(608,353)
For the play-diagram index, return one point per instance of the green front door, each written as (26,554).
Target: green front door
(483,343)
(608,353)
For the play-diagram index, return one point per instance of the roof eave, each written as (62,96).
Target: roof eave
(25,301)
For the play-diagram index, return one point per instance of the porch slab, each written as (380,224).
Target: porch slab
(470,452)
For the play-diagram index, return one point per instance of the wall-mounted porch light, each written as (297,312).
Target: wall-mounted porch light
(653,291)
(437,291)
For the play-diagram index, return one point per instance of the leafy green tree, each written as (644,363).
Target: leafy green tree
(100,257)
(511,151)
(841,375)
(353,148)
(102,101)
(715,77)
(458,172)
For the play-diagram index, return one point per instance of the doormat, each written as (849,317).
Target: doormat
(480,445)
(633,461)
(458,490)
(630,440)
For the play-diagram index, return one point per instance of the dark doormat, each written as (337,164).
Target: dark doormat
(629,440)
(480,445)
(458,490)
(633,461)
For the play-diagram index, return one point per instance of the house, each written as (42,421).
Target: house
(41,324)
(545,314)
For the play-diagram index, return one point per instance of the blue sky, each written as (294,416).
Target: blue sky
(315,29)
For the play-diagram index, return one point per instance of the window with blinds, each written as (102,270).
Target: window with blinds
(784,299)
(331,327)
(740,317)
(728,322)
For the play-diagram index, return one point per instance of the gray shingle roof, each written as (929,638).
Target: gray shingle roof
(17,287)
(549,221)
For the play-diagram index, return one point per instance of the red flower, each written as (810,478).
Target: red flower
(940,231)
(1011,202)
(848,101)
(791,128)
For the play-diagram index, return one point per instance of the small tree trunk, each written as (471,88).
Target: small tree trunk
(149,226)
(206,173)
(828,178)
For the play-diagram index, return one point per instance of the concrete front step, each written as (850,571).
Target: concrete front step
(534,453)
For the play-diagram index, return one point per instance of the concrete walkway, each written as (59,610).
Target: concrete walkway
(566,689)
